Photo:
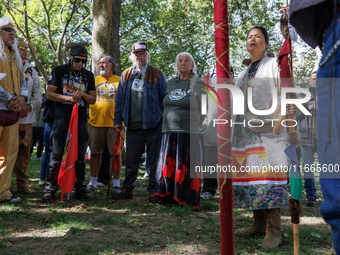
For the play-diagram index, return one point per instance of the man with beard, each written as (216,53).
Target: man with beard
(100,125)
(13,95)
(139,105)
(69,84)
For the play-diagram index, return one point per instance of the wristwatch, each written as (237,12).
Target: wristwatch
(26,98)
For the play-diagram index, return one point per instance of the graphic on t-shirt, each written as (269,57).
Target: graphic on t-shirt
(72,85)
(137,85)
(177,94)
(106,92)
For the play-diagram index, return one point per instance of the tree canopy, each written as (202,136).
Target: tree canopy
(168,26)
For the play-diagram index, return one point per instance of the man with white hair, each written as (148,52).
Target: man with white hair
(27,119)
(139,104)
(100,125)
(13,96)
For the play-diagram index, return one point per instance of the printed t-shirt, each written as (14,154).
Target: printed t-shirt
(102,112)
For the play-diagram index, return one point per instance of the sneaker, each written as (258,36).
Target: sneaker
(207,195)
(26,189)
(100,184)
(42,182)
(81,196)
(37,158)
(116,193)
(311,202)
(153,199)
(90,188)
(12,199)
(126,194)
(48,198)
(146,175)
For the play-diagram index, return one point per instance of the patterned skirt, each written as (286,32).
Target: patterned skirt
(260,181)
(176,179)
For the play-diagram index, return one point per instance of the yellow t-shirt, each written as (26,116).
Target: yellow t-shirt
(102,112)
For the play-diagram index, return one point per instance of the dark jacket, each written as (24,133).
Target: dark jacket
(154,90)
(310,17)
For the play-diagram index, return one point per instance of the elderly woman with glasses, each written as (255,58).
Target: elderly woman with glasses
(175,177)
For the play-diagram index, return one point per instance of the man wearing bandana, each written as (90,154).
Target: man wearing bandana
(69,84)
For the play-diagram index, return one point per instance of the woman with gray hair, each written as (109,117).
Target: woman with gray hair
(176,180)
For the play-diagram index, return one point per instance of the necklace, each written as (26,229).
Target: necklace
(187,82)
(178,94)
(76,74)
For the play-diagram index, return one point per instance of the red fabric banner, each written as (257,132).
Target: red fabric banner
(67,172)
(286,64)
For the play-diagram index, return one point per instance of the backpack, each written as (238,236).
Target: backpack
(48,106)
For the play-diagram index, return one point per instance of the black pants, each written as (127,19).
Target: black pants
(38,135)
(58,135)
(210,179)
(104,170)
(135,147)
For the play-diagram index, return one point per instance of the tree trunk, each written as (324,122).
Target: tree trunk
(105,32)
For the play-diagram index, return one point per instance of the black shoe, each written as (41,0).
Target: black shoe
(153,199)
(82,196)
(311,202)
(116,193)
(126,194)
(48,198)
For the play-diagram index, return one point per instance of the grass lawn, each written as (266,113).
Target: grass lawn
(103,226)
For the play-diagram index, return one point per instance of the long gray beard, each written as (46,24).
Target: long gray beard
(142,69)
(101,72)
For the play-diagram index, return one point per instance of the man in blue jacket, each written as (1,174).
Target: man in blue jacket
(139,104)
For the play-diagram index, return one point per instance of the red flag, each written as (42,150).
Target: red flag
(286,64)
(67,172)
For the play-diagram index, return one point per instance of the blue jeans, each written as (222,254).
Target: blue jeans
(48,149)
(307,153)
(328,123)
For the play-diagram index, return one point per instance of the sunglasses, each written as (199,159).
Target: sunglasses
(23,48)
(77,60)
(8,29)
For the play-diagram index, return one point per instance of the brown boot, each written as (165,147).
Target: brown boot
(272,240)
(258,227)
(25,189)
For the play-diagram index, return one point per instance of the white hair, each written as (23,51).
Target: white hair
(194,69)
(142,69)
(3,22)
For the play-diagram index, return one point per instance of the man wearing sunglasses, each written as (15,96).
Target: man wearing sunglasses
(69,84)
(139,104)
(13,95)
(27,119)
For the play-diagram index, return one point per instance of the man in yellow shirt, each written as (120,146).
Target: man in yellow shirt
(100,124)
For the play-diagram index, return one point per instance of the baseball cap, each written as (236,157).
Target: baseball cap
(78,50)
(139,46)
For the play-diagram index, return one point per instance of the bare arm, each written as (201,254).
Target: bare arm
(53,96)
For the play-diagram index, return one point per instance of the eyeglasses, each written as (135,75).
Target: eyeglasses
(77,60)
(142,54)
(8,29)
(23,48)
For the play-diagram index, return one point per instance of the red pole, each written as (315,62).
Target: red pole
(224,131)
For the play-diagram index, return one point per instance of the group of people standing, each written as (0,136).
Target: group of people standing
(140,102)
